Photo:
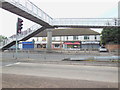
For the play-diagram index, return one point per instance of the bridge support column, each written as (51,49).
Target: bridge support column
(49,40)
(0,4)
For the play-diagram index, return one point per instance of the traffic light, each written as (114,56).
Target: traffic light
(19,25)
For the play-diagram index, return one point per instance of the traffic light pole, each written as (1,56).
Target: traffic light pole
(16,40)
(18,31)
(16,47)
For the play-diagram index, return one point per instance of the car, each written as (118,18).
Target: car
(103,49)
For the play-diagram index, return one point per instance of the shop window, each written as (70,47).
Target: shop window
(57,45)
(44,46)
(39,46)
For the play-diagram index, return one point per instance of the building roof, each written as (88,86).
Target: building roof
(69,32)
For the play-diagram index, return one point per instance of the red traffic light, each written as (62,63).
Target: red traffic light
(19,25)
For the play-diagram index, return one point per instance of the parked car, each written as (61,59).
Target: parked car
(103,49)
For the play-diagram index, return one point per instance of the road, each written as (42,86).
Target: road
(102,74)
(53,75)
(94,73)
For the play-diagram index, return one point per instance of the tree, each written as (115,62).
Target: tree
(2,38)
(110,35)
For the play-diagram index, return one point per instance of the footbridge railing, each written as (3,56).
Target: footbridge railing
(86,22)
(20,36)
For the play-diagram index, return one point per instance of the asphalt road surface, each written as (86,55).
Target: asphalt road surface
(70,72)
(94,73)
(49,71)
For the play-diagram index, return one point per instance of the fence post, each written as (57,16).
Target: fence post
(28,54)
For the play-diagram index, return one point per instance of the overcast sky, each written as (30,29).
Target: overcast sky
(61,9)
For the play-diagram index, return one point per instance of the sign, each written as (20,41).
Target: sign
(90,42)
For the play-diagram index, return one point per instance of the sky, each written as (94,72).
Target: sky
(61,9)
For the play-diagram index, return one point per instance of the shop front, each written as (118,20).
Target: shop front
(72,45)
(90,45)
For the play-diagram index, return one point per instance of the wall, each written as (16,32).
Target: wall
(80,38)
(112,47)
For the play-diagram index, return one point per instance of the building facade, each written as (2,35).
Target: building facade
(69,42)
(70,39)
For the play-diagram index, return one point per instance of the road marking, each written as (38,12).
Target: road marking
(12,64)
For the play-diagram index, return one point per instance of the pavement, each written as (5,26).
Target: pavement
(25,81)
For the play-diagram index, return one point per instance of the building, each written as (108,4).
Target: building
(70,38)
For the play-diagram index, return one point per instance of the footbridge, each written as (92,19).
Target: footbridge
(25,35)
(85,22)
(30,11)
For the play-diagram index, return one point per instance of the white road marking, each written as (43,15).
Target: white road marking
(12,64)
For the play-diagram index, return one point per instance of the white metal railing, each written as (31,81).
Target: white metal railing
(85,21)
(28,6)
(20,36)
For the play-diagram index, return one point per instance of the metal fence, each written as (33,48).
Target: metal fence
(44,55)
(55,56)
